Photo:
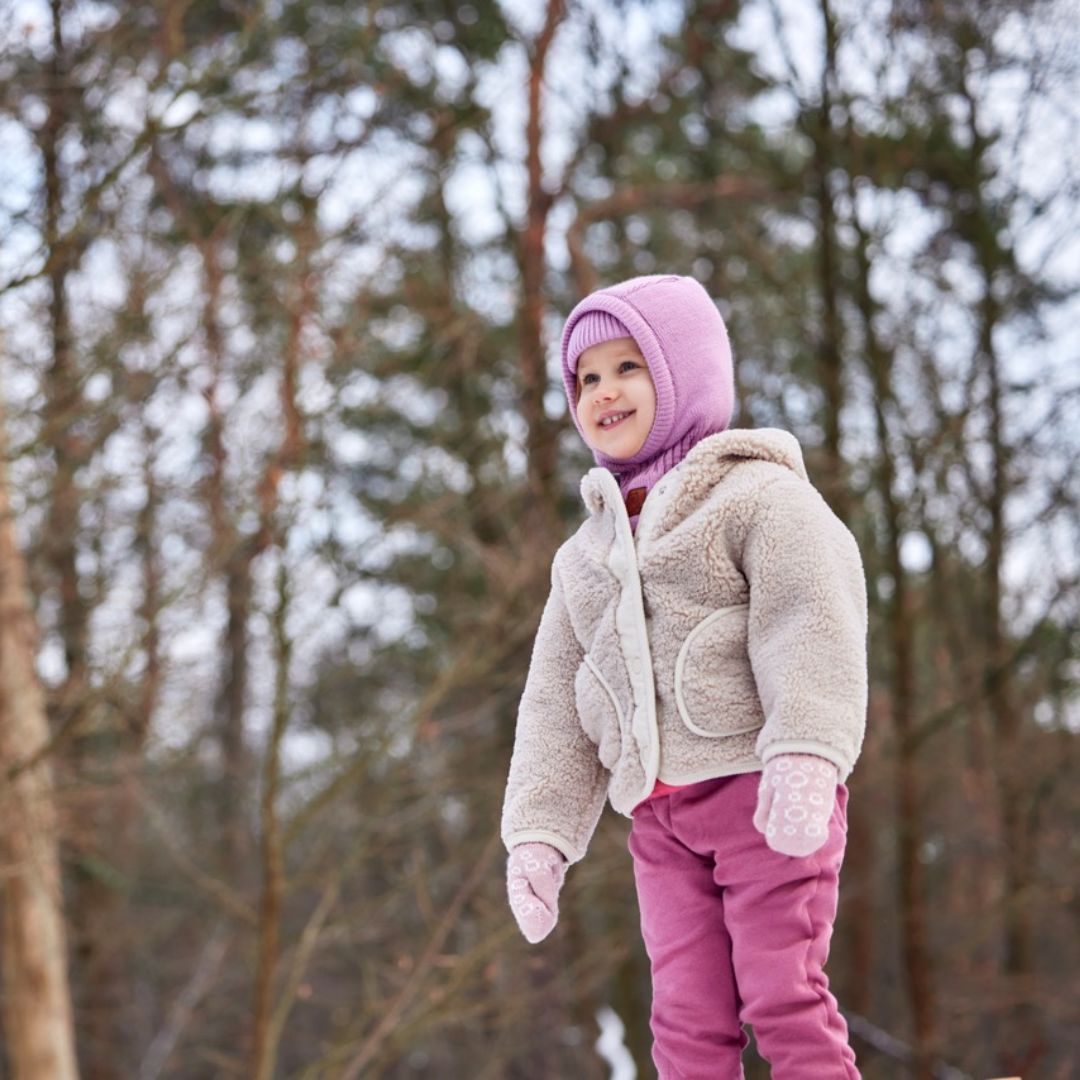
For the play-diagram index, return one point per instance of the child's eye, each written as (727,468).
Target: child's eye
(587,379)
(628,363)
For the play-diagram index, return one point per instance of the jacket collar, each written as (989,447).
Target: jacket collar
(600,490)
(705,464)
(716,454)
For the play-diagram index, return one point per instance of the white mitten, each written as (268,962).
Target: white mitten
(795,801)
(534,876)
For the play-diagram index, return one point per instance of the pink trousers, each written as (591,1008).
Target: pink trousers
(737,934)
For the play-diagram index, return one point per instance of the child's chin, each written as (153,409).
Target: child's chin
(617,453)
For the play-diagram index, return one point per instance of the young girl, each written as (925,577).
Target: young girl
(701,663)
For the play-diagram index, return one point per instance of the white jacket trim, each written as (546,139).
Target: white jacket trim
(680,664)
(591,665)
(632,630)
(752,764)
(542,836)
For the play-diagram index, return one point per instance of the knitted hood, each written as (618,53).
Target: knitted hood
(685,343)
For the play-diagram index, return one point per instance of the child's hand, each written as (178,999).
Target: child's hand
(795,802)
(534,876)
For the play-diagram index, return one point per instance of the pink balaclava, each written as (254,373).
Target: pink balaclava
(684,341)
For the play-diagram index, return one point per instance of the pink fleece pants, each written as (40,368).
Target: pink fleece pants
(737,934)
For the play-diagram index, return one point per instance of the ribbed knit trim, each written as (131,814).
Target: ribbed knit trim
(647,474)
(593,328)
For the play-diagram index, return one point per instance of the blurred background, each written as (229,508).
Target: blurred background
(287,457)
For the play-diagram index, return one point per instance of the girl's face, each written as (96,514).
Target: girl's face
(616,402)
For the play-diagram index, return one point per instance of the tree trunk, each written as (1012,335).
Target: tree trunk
(1022,1033)
(37,1015)
(859,859)
(541,519)
(96,923)
(264,1050)
(1023,1027)
(272,843)
(233,553)
(62,405)
(541,432)
(914,920)
(830,353)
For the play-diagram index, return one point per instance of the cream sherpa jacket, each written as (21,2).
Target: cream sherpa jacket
(729,629)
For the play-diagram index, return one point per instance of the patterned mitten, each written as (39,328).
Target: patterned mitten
(795,801)
(534,876)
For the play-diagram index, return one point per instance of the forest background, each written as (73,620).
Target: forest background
(287,458)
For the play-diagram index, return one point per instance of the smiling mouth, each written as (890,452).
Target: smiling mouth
(614,421)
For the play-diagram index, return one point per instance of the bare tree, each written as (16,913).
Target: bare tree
(37,1014)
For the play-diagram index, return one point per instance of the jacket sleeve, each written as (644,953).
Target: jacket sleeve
(557,786)
(807,626)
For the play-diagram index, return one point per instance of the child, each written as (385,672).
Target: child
(701,663)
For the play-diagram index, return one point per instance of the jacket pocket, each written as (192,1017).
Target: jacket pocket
(714,684)
(600,713)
